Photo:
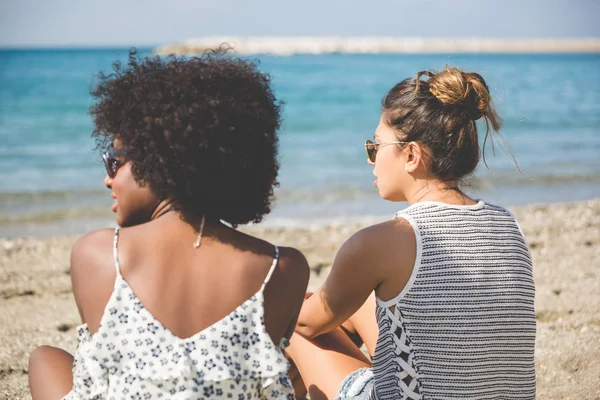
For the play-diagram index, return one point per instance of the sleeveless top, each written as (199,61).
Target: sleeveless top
(133,356)
(464,326)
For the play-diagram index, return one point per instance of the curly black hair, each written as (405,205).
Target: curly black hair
(200,131)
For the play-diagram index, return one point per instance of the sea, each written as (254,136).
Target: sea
(51,178)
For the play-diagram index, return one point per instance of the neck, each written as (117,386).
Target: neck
(437,190)
(163,207)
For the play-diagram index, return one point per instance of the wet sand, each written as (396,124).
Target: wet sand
(36,304)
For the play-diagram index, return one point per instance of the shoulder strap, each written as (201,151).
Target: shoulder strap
(115,252)
(275,259)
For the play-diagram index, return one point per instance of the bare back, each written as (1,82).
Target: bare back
(187,289)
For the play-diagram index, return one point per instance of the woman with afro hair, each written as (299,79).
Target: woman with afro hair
(176,303)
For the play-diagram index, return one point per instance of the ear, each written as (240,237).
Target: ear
(414,157)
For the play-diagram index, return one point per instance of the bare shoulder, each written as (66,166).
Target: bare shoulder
(290,278)
(294,265)
(291,264)
(386,236)
(92,273)
(390,249)
(387,248)
(286,293)
(86,247)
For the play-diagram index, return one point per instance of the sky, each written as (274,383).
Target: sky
(60,23)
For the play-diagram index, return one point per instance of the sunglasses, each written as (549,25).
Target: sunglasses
(111,163)
(372,148)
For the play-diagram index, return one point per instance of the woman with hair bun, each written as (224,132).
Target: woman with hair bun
(442,295)
(176,303)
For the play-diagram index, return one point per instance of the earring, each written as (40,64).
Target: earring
(199,238)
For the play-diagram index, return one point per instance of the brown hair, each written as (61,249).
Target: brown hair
(440,113)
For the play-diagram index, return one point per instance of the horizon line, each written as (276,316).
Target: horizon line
(153,45)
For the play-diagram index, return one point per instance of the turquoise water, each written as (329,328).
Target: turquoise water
(51,179)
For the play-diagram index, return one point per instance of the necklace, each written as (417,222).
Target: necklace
(199,238)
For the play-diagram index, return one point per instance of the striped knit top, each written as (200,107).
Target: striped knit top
(464,325)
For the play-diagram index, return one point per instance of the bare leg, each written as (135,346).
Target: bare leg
(296,378)
(362,325)
(325,361)
(50,375)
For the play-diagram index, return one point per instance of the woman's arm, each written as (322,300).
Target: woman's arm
(354,275)
(380,257)
(93,275)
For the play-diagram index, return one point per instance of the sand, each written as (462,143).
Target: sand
(36,304)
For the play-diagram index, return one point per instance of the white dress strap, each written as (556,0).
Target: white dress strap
(275,259)
(115,252)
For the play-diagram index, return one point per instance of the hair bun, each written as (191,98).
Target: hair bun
(455,87)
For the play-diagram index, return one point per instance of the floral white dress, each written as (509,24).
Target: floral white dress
(133,356)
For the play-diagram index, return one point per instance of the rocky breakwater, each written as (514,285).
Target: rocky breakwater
(378,45)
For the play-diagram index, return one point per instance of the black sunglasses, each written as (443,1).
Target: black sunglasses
(111,163)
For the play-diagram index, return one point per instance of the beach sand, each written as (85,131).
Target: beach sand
(36,304)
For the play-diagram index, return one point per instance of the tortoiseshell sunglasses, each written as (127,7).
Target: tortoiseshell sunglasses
(372,148)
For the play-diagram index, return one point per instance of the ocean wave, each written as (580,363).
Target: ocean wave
(322,195)
(11,198)
(495,180)
(327,201)
(55,215)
